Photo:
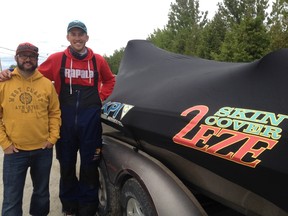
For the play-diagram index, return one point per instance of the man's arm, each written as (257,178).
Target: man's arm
(5,142)
(54,115)
(107,78)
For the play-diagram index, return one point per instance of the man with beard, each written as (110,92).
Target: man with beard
(29,128)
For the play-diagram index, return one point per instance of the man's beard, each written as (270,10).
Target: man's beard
(27,70)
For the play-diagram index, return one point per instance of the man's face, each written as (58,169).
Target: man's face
(27,61)
(77,38)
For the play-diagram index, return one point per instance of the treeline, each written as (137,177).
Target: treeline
(240,31)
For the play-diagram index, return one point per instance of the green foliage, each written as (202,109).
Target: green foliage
(246,38)
(212,38)
(162,38)
(278,25)
(185,25)
(245,42)
(240,31)
(114,60)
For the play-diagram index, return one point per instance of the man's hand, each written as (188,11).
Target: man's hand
(10,150)
(47,145)
(97,156)
(5,75)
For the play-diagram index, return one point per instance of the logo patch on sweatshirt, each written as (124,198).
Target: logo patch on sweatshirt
(25,98)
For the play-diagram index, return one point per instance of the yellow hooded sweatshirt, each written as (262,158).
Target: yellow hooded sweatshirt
(29,112)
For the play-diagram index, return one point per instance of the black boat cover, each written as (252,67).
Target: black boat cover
(231,118)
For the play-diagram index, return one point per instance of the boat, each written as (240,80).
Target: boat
(221,127)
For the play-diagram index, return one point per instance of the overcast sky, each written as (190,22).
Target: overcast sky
(111,23)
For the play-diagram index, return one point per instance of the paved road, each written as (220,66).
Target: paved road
(55,206)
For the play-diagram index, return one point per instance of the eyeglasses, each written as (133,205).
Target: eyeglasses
(24,57)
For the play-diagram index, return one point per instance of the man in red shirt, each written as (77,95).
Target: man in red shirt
(82,79)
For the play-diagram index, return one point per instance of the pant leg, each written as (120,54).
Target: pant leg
(69,188)
(88,189)
(66,152)
(90,140)
(85,136)
(40,167)
(14,174)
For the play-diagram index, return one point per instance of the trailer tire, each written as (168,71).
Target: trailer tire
(109,204)
(135,200)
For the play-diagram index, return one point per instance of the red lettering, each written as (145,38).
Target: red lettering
(179,137)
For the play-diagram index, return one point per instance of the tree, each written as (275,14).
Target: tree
(240,31)
(278,25)
(115,59)
(161,38)
(183,31)
(212,37)
(246,38)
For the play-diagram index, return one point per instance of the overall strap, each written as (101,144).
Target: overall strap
(62,69)
(95,71)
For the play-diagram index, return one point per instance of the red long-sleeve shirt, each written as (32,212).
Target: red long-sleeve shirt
(79,71)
